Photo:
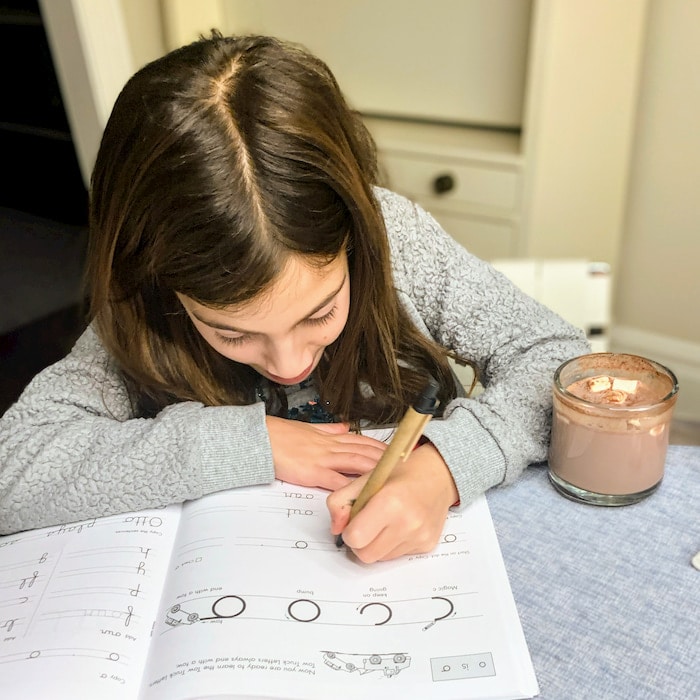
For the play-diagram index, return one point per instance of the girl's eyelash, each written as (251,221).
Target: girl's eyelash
(232,341)
(322,319)
(240,339)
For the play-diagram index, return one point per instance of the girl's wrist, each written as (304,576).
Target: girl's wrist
(437,465)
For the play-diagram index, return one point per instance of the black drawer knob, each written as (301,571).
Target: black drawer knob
(443,183)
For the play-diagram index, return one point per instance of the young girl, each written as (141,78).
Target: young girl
(254,297)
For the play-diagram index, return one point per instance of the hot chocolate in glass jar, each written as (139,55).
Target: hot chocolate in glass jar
(610,426)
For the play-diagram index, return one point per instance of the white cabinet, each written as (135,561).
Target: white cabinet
(558,187)
(461,181)
(468,179)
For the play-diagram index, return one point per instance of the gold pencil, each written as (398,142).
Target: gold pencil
(402,443)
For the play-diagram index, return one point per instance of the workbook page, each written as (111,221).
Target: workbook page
(260,602)
(77,604)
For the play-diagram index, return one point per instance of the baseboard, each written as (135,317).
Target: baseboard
(680,356)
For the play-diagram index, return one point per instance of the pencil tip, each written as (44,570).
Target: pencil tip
(339,541)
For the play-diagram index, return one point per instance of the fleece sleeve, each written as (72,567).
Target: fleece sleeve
(71,449)
(515,342)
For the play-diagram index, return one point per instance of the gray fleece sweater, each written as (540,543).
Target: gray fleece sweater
(70,448)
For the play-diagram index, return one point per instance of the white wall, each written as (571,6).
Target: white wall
(657,295)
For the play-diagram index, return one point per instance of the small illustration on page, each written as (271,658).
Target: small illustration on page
(388,664)
(177,616)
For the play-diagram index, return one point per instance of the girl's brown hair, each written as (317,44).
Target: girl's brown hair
(219,161)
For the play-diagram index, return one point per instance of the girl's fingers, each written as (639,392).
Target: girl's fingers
(406,516)
(351,462)
(335,428)
(340,502)
(332,480)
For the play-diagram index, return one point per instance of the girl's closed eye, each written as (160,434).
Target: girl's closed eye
(232,340)
(313,321)
(321,320)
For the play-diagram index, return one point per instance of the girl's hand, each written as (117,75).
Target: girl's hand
(320,454)
(406,516)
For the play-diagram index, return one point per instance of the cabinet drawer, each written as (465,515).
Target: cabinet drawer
(486,238)
(475,184)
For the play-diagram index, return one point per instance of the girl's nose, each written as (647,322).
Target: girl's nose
(288,362)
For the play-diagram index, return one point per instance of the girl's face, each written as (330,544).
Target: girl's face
(282,334)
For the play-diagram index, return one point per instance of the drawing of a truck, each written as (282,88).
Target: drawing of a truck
(177,616)
(388,664)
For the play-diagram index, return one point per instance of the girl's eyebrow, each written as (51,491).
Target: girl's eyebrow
(233,329)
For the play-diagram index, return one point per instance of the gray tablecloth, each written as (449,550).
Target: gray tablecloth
(608,598)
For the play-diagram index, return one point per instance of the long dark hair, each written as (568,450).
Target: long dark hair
(219,161)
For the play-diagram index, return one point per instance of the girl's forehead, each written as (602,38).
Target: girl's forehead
(302,283)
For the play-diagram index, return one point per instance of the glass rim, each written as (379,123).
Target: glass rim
(611,408)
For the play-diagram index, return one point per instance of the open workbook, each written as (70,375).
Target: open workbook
(244,594)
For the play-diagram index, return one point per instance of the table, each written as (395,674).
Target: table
(608,597)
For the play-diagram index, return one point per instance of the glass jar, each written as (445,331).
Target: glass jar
(610,426)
